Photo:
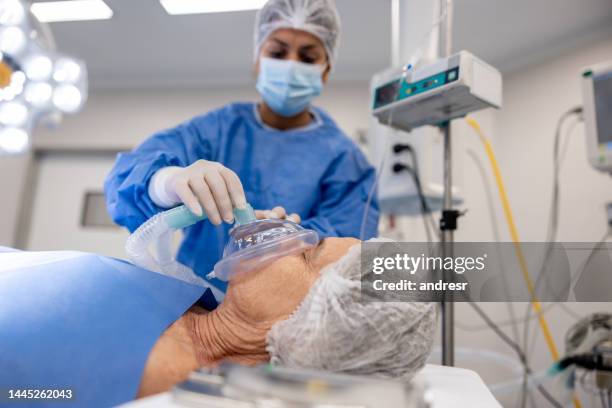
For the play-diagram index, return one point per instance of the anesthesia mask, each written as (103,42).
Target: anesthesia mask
(253,244)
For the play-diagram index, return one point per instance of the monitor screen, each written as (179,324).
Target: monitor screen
(602,86)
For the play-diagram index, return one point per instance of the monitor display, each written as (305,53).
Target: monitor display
(602,86)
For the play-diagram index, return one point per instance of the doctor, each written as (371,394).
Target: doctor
(280,153)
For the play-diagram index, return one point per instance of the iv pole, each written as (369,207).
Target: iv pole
(402,43)
(448,221)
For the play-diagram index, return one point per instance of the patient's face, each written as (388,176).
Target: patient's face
(274,292)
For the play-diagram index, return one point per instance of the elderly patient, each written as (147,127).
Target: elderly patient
(291,313)
(300,311)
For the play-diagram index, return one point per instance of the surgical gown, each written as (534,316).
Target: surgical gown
(315,171)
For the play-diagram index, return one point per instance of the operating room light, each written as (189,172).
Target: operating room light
(67,98)
(72,10)
(13,114)
(15,88)
(37,83)
(175,7)
(12,40)
(13,140)
(66,70)
(38,94)
(11,12)
(39,68)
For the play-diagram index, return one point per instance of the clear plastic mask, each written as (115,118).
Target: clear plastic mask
(257,244)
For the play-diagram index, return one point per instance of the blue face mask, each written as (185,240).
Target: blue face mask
(288,87)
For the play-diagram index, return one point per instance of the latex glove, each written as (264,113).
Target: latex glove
(277,213)
(208,185)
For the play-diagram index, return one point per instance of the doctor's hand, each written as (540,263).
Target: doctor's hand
(277,213)
(211,186)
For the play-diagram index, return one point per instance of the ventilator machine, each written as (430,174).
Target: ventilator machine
(597,111)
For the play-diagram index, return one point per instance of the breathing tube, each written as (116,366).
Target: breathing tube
(253,244)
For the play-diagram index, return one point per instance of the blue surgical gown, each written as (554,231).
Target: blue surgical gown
(315,171)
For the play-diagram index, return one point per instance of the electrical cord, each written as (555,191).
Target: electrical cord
(379,171)
(518,250)
(513,321)
(517,349)
(414,169)
(553,223)
(399,167)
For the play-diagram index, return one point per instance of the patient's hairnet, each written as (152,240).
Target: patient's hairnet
(337,329)
(318,17)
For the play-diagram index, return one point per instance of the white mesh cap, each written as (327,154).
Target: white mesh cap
(318,17)
(336,329)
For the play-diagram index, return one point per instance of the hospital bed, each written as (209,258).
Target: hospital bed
(440,387)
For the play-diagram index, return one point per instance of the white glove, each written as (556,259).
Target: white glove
(204,184)
(277,213)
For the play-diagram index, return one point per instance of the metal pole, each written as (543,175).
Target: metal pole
(447,238)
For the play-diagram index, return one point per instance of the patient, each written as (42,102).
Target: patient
(96,324)
(270,314)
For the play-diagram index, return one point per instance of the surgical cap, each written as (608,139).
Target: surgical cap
(318,17)
(340,329)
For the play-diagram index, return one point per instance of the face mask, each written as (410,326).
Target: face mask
(288,87)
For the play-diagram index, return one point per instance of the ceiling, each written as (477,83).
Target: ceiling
(143,46)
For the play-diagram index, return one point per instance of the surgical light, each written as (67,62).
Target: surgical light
(39,68)
(12,40)
(13,114)
(73,10)
(67,98)
(38,94)
(66,70)
(36,82)
(13,140)
(11,12)
(175,7)
(13,87)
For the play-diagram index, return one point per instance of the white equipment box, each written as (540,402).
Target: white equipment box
(447,89)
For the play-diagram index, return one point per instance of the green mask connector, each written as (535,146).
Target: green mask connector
(180,217)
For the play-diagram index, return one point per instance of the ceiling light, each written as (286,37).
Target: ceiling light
(12,40)
(13,140)
(38,68)
(11,12)
(38,94)
(209,6)
(13,114)
(67,98)
(71,10)
(66,70)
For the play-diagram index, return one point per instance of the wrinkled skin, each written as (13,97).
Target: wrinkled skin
(236,331)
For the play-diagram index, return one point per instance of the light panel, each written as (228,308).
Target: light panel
(37,82)
(71,10)
(175,7)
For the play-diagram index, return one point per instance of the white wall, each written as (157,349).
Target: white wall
(115,118)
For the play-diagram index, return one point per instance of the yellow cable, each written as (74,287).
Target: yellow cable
(517,244)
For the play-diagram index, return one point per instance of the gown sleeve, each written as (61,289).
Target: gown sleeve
(126,187)
(345,189)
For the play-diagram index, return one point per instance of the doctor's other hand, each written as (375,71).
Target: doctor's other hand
(278,213)
(211,186)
